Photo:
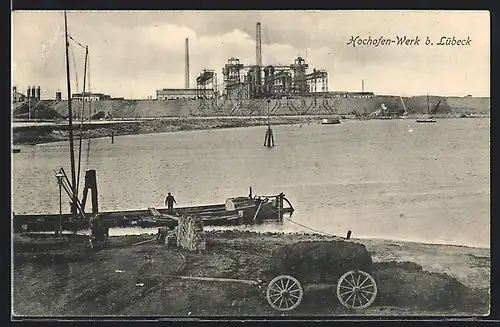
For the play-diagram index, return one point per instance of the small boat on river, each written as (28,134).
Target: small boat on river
(429,118)
(330,121)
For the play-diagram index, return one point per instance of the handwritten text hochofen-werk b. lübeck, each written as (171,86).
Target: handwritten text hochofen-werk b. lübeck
(407,41)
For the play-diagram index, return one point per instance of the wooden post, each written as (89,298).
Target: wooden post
(269,138)
(112,137)
(162,235)
(91,183)
(95,202)
(59,227)
(280,206)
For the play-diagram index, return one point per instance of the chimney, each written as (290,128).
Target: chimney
(362,85)
(258,40)
(33,93)
(28,93)
(186,83)
(58,96)
(38,93)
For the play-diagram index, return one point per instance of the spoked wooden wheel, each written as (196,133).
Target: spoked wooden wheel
(284,293)
(356,289)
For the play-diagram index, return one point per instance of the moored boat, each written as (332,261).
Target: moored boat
(235,211)
(330,121)
(429,118)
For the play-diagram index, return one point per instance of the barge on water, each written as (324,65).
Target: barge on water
(330,121)
(235,211)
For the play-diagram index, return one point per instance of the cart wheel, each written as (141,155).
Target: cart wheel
(284,293)
(356,289)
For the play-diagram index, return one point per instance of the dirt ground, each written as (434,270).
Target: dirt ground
(65,278)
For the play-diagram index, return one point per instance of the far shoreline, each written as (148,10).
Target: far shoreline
(46,134)
(35,135)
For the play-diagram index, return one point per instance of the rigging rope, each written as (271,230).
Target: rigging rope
(90,115)
(82,114)
(74,67)
(312,229)
(76,41)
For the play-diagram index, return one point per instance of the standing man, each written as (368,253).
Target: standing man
(169,202)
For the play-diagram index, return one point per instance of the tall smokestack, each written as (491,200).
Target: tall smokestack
(258,50)
(362,85)
(186,83)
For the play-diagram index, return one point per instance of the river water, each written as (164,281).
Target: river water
(394,179)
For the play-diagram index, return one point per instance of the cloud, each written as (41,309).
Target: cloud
(134,53)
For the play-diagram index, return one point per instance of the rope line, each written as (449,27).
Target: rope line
(312,229)
(87,163)
(82,114)
(74,67)
(76,41)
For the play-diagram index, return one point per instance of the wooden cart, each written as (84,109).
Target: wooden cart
(355,289)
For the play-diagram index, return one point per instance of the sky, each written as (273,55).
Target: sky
(134,53)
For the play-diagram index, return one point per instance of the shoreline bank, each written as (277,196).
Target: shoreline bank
(48,133)
(412,278)
(32,135)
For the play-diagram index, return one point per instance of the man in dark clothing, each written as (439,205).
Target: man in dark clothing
(169,202)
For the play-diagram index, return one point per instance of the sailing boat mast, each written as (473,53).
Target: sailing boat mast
(81,121)
(428,111)
(70,120)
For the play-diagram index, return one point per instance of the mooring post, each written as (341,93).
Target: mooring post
(265,137)
(91,183)
(280,206)
(59,228)
(93,180)
(269,139)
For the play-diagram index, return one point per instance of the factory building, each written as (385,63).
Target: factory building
(258,80)
(174,94)
(271,81)
(90,96)
(32,94)
(16,96)
(206,87)
(339,94)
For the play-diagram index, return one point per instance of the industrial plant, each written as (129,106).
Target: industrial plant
(247,89)
(255,81)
